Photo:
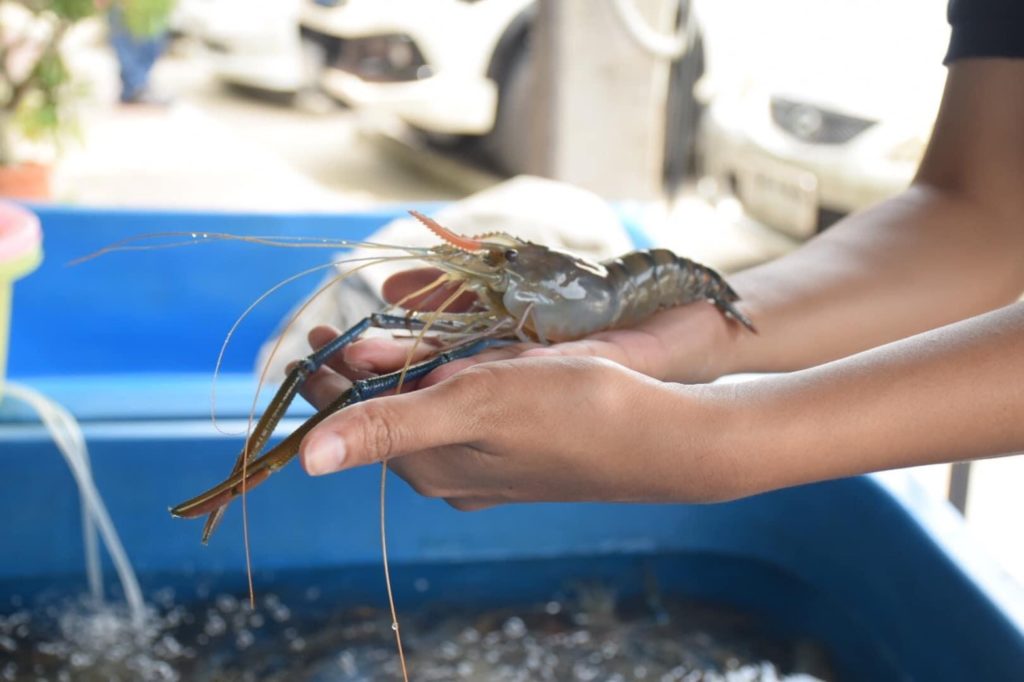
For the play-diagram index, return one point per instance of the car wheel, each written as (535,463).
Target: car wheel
(682,117)
(504,148)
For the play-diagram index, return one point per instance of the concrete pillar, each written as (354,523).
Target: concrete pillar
(600,98)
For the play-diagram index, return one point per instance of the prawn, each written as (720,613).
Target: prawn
(524,291)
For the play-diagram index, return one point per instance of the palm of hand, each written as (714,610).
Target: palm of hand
(642,348)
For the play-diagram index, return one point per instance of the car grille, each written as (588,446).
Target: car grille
(815,125)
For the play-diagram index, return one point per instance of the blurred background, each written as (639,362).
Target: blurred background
(736,128)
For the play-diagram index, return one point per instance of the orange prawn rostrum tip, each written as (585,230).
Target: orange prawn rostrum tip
(456,240)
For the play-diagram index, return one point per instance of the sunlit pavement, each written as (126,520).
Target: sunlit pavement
(215,148)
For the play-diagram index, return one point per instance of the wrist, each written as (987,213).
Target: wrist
(706,438)
(703,344)
(780,431)
(745,433)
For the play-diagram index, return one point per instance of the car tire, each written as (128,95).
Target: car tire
(503,149)
(682,117)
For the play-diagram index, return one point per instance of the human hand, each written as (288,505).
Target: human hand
(690,343)
(533,429)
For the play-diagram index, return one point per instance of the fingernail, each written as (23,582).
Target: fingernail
(325,454)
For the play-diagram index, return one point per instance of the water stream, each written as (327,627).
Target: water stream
(67,436)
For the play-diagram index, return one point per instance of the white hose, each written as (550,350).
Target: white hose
(662,46)
(67,435)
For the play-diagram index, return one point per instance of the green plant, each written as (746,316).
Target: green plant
(36,91)
(35,84)
(146,18)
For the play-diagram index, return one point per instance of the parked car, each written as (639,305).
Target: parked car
(460,72)
(832,112)
(252,44)
(436,63)
(457,72)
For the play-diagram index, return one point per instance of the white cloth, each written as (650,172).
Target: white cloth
(535,209)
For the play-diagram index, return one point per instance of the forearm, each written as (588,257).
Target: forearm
(950,394)
(919,261)
(946,249)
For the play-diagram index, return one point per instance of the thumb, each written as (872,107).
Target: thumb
(392,426)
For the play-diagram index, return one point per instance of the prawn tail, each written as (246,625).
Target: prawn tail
(726,304)
(711,286)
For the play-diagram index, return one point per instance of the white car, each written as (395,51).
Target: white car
(836,112)
(457,70)
(453,70)
(253,43)
(432,62)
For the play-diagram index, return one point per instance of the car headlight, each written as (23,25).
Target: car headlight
(815,125)
(386,58)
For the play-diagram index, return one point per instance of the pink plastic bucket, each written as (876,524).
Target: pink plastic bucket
(21,241)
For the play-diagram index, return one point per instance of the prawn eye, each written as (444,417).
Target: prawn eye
(511,255)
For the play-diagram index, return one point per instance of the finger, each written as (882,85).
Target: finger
(452,368)
(385,355)
(384,428)
(319,337)
(364,358)
(400,285)
(470,504)
(323,386)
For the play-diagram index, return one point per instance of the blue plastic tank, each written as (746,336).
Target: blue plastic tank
(887,578)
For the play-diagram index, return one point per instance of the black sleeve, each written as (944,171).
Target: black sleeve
(986,28)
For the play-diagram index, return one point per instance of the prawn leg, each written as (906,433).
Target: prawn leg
(290,387)
(215,499)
